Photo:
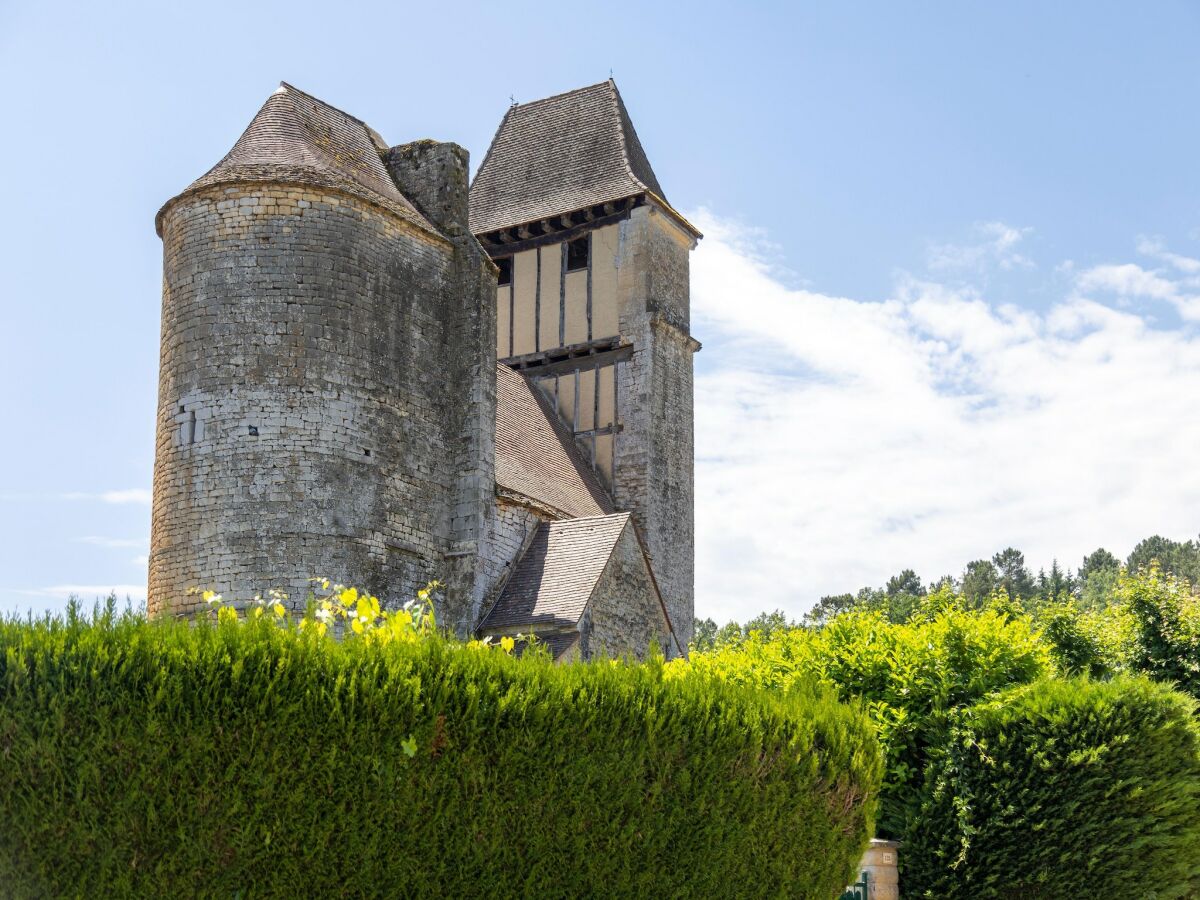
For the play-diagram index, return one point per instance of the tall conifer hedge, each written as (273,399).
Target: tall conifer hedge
(246,760)
(1064,788)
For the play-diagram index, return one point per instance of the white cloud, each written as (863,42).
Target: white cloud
(129,495)
(1128,280)
(996,245)
(839,441)
(1156,248)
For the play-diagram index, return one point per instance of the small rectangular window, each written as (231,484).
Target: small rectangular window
(577,254)
(505,265)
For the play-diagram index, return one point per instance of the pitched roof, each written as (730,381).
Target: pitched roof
(536,455)
(553,582)
(559,155)
(557,642)
(296,137)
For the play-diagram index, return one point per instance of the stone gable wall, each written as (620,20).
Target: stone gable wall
(624,615)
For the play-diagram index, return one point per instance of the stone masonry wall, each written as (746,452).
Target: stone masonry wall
(511,528)
(655,449)
(305,410)
(435,176)
(624,615)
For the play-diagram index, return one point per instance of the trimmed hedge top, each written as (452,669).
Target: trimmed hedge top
(240,758)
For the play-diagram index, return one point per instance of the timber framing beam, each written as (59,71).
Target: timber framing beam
(571,359)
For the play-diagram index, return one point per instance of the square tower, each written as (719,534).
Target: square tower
(592,305)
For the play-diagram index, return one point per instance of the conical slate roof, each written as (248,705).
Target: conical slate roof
(559,155)
(297,138)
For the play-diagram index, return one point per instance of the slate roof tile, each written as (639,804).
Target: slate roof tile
(553,582)
(536,455)
(297,138)
(559,155)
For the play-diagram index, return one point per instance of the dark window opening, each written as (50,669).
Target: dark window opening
(505,265)
(253,430)
(577,254)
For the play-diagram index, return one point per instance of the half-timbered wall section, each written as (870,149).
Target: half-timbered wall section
(557,321)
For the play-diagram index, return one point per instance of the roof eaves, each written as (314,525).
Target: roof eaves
(675,214)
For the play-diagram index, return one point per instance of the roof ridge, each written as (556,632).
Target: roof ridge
(491,146)
(559,96)
(336,109)
(618,103)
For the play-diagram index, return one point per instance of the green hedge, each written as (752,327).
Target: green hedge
(242,759)
(1064,788)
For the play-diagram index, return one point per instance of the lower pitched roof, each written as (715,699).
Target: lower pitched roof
(555,578)
(536,455)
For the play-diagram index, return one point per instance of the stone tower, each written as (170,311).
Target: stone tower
(327,385)
(593,307)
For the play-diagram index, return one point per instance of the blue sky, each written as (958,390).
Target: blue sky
(949,294)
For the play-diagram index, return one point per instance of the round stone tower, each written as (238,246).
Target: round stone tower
(310,422)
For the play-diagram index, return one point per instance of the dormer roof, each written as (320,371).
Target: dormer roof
(299,139)
(560,155)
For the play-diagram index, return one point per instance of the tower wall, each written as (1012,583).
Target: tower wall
(305,404)
(654,452)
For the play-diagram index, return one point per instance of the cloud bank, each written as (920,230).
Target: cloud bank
(839,441)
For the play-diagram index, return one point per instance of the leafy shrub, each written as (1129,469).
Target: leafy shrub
(1063,788)
(910,676)
(1166,634)
(241,758)
(1075,644)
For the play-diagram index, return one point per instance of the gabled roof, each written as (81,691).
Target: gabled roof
(297,138)
(553,582)
(536,455)
(559,155)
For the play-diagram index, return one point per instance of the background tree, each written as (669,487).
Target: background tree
(1055,586)
(1096,583)
(704,634)
(1014,578)
(1099,560)
(828,608)
(980,580)
(1179,558)
(904,592)
(769,624)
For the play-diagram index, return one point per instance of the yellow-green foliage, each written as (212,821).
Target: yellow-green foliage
(1064,788)
(910,677)
(251,757)
(1165,640)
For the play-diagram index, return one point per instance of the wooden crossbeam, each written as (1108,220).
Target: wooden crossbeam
(570,359)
